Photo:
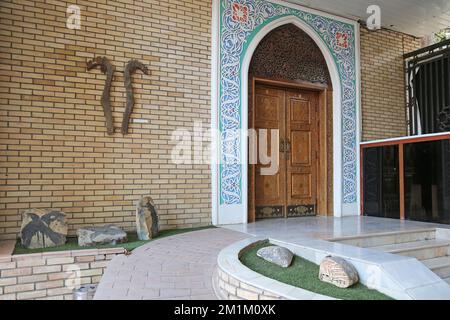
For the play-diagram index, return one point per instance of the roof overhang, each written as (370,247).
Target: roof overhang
(415,17)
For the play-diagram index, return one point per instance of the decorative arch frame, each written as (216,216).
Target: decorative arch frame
(238,27)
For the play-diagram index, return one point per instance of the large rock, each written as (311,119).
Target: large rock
(43,228)
(146,219)
(275,254)
(338,272)
(109,234)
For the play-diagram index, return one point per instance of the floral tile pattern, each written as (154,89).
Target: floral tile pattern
(240,22)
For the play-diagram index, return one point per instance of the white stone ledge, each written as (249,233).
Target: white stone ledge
(400,277)
(237,281)
(403,278)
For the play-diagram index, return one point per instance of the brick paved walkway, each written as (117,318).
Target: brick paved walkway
(176,267)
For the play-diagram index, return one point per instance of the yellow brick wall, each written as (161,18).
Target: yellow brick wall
(54,150)
(50,275)
(383,82)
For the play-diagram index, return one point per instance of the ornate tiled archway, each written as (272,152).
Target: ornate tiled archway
(241,24)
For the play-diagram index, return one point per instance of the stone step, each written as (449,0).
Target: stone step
(440,266)
(421,250)
(386,238)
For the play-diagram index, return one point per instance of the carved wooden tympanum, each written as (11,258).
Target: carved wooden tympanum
(107,68)
(288,53)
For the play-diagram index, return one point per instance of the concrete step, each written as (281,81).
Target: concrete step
(440,266)
(421,250)
(386,238)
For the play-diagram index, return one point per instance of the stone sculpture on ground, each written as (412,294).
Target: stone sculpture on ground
(275,254)
(109,234)
(146,219)
(43,228)
(337,271)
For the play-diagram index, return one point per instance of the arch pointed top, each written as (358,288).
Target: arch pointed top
(241,25)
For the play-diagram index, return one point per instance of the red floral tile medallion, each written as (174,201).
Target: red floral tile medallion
(240,13)
(342,39)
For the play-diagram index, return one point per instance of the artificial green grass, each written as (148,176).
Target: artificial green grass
(305,274)
(132,243)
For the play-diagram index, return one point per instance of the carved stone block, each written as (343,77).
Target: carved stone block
(338,272)
(43,228)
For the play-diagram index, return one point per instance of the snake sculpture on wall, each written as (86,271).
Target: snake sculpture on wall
(130,68)
(107,68)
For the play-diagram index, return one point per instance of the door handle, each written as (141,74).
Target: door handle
(285,146)
(288,146)
(282,145)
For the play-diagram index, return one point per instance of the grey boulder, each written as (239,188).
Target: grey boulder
(109,234)
(277,255)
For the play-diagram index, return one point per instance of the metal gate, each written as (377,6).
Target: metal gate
(428,89)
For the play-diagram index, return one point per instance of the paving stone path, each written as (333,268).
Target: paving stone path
(176,267)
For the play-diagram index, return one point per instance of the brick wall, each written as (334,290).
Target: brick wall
(51,275)
(383,82)
(231,288)
(54,150)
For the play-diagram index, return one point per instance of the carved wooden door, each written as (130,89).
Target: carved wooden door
(302,152)
(270,190)
(292,191)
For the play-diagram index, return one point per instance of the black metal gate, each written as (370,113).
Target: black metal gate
(428,89)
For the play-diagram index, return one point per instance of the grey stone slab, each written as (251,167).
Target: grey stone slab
(108,234)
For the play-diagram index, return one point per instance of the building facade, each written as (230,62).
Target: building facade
(56,151)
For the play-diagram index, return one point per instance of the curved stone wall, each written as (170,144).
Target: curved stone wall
(233,280)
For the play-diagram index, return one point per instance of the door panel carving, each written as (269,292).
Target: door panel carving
(302,161)
(293,190)
(301,148)
(301,111)
(301,185)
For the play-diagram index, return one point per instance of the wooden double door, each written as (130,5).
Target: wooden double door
(292,190)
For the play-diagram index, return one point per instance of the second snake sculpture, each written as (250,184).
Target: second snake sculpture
(130,68)
(107,68)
